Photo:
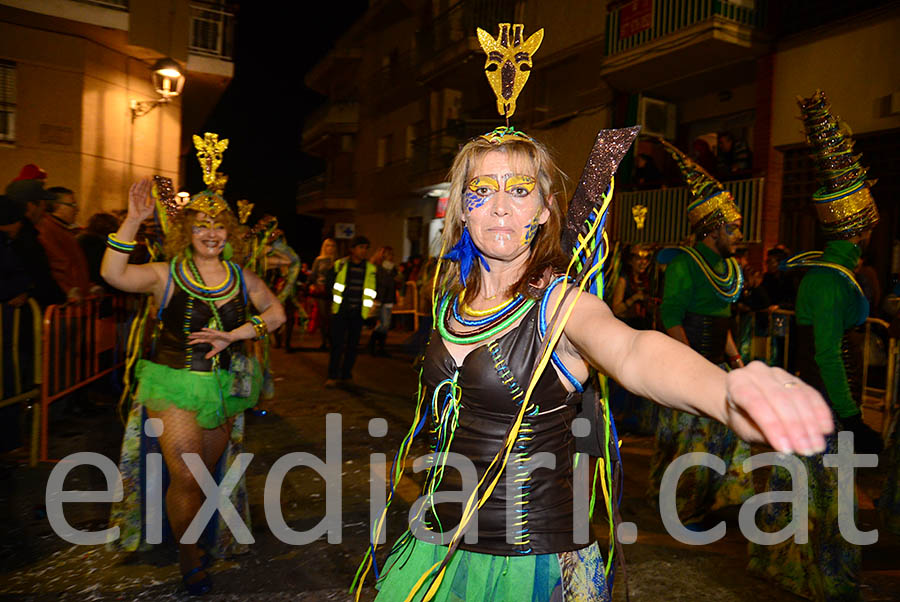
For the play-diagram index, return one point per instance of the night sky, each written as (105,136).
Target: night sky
(263,108)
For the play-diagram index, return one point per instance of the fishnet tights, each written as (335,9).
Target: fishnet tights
(182,435)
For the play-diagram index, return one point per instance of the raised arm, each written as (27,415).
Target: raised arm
(115,269)
(760,403)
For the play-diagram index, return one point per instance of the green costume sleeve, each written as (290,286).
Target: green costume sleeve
(826,307)
(677,291)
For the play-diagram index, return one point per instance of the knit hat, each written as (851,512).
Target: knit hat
(843,203)
(711,206)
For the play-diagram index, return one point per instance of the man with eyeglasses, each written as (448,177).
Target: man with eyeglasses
(67,261)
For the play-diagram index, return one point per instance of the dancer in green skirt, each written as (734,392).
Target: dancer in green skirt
(199,377)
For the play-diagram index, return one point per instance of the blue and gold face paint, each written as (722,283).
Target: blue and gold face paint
(519,185)
(201,226)
(479,190)
(531,229)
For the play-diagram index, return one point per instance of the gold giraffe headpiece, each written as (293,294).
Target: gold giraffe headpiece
(639,213)
(245,207)
(209,154)
(508,63)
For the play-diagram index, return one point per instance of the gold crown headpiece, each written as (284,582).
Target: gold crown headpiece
(712,206)
(508,67)
(843,203)
(209,154)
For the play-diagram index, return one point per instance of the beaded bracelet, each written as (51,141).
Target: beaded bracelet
(122,246)
(262,330)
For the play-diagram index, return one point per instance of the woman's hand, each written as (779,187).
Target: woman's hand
(770,405)
(219,339)
(140,203)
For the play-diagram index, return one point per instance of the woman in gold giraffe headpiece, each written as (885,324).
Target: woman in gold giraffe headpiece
(198,377)
(500,416)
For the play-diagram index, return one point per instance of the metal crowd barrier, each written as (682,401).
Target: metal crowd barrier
(30,373)
(81,343)
(410,305)
(875,398)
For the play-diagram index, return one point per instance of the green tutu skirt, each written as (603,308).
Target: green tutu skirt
(474,577)
(208,394)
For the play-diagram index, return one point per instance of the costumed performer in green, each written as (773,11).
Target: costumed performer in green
(830,303)
(701,284)
(198,378)
(504,312)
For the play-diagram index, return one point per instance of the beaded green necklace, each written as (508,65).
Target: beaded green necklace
(480,334)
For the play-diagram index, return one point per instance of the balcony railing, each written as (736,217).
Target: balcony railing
(212,31)
(396,74)
(319,186)
(667,221)
(459,22)
(669,16)
(114,4)
(435,151)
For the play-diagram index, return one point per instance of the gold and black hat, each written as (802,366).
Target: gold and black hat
(711,205)
(843,203)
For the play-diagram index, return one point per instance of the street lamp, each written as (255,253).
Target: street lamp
(168,80)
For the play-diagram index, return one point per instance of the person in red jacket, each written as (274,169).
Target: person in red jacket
(67,260)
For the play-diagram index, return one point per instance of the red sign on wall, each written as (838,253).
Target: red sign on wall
(635,17)
(440,209)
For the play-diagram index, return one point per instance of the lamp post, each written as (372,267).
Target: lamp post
(168,81)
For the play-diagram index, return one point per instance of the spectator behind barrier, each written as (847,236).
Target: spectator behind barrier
(92,241)
(28,197)
(67,261)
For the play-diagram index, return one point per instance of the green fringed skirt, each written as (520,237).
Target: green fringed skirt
(471,576)
(205,393)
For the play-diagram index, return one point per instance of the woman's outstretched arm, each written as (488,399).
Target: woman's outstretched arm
(760,403)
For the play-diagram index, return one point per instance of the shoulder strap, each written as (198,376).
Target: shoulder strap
(165,299)
(244,293)
(542,329)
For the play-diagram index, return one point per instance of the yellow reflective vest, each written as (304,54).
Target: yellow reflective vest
(340,281)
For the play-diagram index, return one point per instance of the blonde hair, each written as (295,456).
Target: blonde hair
(178,239)
(322,248)
(546,252)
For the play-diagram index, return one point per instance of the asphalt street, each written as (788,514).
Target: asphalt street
(36,564)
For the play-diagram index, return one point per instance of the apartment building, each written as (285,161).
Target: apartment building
(77,95)
(405,89)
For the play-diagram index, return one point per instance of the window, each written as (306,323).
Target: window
(383,152)
(7,101)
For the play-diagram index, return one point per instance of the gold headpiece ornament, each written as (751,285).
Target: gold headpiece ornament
(209,154)
(712,206)
(639,213)
(245,207)
(508,63)
(843,203)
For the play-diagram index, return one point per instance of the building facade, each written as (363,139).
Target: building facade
(405,89)
(70,71)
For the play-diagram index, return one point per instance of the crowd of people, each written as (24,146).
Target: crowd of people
(516,351)
(726,157)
